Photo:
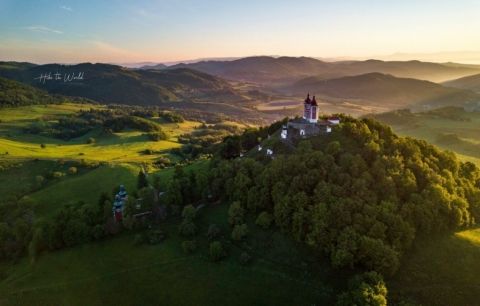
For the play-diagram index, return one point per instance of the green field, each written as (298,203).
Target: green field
(125,146)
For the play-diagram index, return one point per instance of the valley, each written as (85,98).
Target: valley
(230,225)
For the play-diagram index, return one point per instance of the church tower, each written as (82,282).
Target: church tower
(313,111)
(307,108)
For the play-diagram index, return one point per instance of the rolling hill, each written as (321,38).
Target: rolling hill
(386,90)
(114,84)
(471,82)
(261,69)
(281,70)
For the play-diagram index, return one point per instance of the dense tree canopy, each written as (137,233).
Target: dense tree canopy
(360,194)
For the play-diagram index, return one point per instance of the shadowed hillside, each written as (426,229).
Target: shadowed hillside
(13,93)
(469,82)
(114,84)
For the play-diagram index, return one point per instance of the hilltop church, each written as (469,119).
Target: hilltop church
(309,124)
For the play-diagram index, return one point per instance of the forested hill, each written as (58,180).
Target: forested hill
(360,195)
(14,93)
(114,84)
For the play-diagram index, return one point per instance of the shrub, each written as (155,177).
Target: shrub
(216,251)
(57,174)
(98,232)
(213,232)
(157,136)
(139,239)
(189,212)
(39,180)
(364,289)
(43,146)
(239,232)
(156,236)
(189,246)
(72,170)
(236,213)
(187,228)
(245,258)
(264,220)
(128,222)
(91,140)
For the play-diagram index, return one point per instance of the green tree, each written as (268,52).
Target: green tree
(142,180)
(214,232)
(236,213)
(189,246)
(217,251)
(264,220)
(367,289)
(189,212)
(187,228)
(239,232)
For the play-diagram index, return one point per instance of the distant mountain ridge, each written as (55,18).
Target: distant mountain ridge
(471,82)
(114,84)
(268,70)
(387,90)
(154,66)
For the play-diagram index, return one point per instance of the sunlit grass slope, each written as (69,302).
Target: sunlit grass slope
(127,146)
(441,271)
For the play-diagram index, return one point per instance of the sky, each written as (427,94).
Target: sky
(128,31)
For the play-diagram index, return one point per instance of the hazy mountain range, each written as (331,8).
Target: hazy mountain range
(386,90)
(272,70)
(255,80)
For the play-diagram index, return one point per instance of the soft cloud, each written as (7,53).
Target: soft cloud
(43,29)
(66,8)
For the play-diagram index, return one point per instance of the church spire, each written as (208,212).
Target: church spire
(307,100)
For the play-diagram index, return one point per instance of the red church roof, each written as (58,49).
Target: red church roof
(314,102)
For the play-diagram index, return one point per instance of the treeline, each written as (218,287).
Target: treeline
(109,121)
(21,232)
(13,93)
(204,138)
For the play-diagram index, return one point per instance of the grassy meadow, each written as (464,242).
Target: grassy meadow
(125,146)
